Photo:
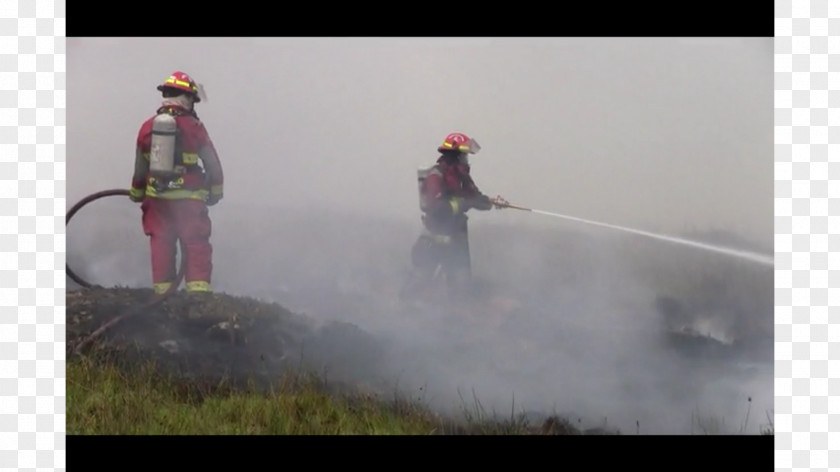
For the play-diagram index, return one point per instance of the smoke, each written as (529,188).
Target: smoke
(320,139)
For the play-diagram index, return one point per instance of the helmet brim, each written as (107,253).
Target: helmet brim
(196,97)
(469,147)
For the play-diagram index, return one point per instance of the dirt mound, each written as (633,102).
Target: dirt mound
(218,335)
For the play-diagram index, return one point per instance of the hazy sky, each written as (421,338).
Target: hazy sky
(664,134)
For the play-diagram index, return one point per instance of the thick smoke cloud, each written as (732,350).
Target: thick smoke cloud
(320,139)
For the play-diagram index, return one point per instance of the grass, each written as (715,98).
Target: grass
(107,397)
(713,425)
(111,395)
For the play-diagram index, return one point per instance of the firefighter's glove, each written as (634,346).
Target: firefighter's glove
(136,195)
(213,199)
(500,202)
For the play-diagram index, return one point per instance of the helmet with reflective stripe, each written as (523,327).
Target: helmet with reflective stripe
(459,142)
(181,81)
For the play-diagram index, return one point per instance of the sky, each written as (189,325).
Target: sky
(660,134)
(320,140)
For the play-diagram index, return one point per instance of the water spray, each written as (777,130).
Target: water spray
(750,256)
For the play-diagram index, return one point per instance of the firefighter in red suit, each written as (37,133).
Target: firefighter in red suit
(447,193)
(177,175)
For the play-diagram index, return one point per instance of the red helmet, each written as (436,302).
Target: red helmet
(182,81)
(459,142)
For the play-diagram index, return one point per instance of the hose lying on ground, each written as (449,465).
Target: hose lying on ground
(157,298)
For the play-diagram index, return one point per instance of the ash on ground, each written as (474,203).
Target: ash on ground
(217,336)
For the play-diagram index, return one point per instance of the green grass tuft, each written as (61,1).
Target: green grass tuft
(107,397)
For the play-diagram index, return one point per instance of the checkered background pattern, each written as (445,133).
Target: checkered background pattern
(32,246)
(807,419)
(32,210)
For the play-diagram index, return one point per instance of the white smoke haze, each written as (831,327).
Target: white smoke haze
(320,139)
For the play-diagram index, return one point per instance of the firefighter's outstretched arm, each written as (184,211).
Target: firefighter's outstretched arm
(483,202)
(477,198)
(215,174)
(138,179)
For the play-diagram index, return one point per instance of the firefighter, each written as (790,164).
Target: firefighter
(447,193)
(177,176)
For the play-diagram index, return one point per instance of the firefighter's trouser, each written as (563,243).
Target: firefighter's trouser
(165,222)
(449,251)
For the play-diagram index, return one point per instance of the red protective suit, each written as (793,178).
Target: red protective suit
(177,207)
(448,193)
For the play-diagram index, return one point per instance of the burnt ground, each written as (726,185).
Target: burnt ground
(246,342)
(215,336)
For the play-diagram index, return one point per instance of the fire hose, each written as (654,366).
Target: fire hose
(154,300)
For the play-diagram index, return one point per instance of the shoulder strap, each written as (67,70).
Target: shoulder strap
(175,111)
